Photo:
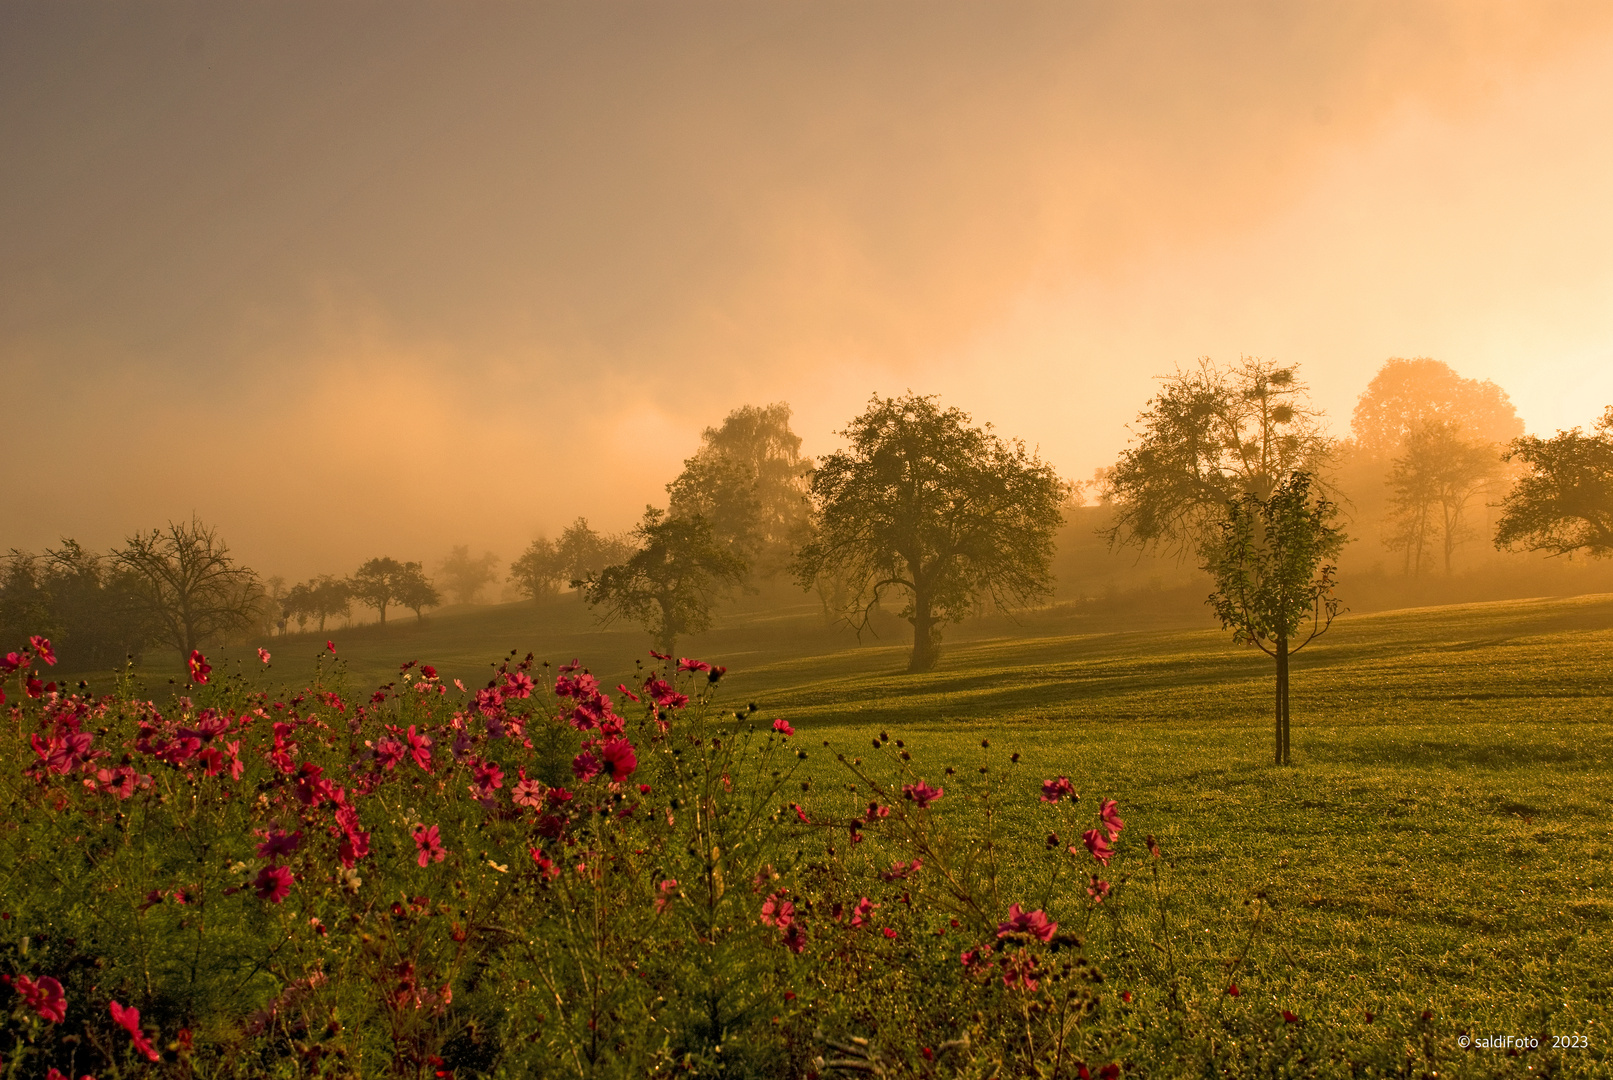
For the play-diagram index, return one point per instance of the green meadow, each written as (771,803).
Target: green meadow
(1440,845)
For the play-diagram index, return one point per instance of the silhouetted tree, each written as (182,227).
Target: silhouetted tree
(942,512)
(1564,500)
(378,584)
(540,571)
(415,591)
(1432,481)
(584,553)
(670,583)
(1273,583)
(464,575)
(1210,436)
(1407,395)
(750,481)
(185,586)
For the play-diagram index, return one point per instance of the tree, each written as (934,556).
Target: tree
(670,583)
(1210,436)
(378,584)
(1564,500)
(583,553)
(540,571)
(92,604)
(750,481)
(186,587)
(1432,481)
(1406,395)
(464,576)
(939,511)
(415,591)
(1273,585)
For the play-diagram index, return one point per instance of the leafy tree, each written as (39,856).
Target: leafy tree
(415,591)
(378,584)
(583,553)
(939,511)
(185,586)
(750,481)
(465,576)
(92,603)
(540,571)
(1407,395)
(1564,500)
(1273,583)
(1433,480)
(1210,436)
(298,605)
(670,583)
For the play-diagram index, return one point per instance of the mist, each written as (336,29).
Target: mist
(362,280)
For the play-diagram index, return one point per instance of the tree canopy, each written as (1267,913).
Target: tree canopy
(1564,500)
(671,581)
(382,582)
(1405,396)
(186,586)
(1273,578)
(539,571)
(465,575)
(939,511)
(1209,436)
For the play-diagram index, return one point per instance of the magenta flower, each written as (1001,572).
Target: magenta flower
(1097,845)
(42,649)
(330,646)
(585,767)
(1034,923)
(1108,811)
(45,997)
(273,883)
(1054,790)
(263,655)
(863,912)
(200,669)
(794,939)
(429,842)
(922,794)
(420,747)
(777,911)
(389,751)
(528,793)
(1098,889)
(782,726)
(277,843)
(129,1020)
(900,870)
(668,890)
(620,760)
(685,664)
(488,775)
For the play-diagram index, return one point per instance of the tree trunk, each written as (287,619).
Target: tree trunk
(1282,701)
(926,643)
(383,614)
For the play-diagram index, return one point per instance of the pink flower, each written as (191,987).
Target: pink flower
(199,667)
(330,646)
(794,939)
(1108,811)
(420,747)
(263,655)
(488,775)
(1034,923)
(129,1020)
(429,842)
(273,883)
(621,688)
(45,997)
(528,793)
(922,794)
(1054,790)
(685,664)
(42,649)
(783,727)
(517,684)
(585,766)
(277,843)
(12,661)
(889,933)
(777,911)
(863,912)
(620,761)
(388,752)
(668,889)
(1097,845)
(974,957)
(1098,889)
(900,870)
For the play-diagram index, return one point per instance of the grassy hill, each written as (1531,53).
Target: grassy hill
(1440,844)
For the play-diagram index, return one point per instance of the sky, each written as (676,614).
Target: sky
(358,279)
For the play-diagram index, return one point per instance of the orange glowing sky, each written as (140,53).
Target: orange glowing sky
(370,279)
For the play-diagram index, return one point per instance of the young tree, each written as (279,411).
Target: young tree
(377,584)
(1564,500)
(415,591)
(184,584)
(670,583)
(1273,583)
(1432,482)
(540,571)
(465,576)
(750,481)
(1210,436)
(939,511)
(583,553)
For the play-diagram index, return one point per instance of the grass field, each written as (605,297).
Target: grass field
(1441,842)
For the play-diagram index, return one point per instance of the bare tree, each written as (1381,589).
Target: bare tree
(184,582)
